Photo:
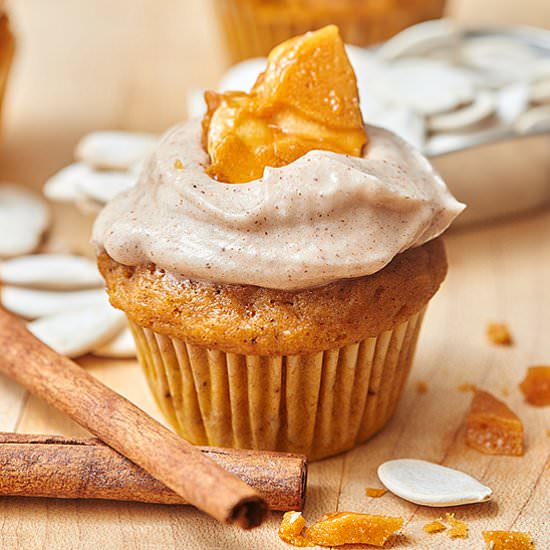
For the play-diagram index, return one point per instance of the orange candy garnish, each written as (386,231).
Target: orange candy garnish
(353,528)
(508,540)
(434,527)
(458,528)
(492,427)
(291,529)
(339,528)
(306,99)
(536,386)
(499,334)
(374,492)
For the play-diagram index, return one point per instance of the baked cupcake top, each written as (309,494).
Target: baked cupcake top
(316,214)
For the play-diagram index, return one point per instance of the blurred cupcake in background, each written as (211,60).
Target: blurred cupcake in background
(254,27)
(7,48)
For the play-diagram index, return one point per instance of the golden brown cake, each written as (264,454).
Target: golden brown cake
(7,48)
(253,27)
(251,320)
(275,261)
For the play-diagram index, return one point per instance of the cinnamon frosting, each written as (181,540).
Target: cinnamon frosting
(324,217)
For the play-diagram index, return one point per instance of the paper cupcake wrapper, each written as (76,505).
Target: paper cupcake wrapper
(251,33)
(318,404)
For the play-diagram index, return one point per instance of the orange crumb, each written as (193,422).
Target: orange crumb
(178,165)
(492,427)
(434,527)
(421,386)
(499,334)
(458,529)
(353,528)
(536,386)
(466,387)
(291,528)
(548,433)
(374,492)
(505,392)
(508,540)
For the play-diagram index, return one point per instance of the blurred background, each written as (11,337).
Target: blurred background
(82,65)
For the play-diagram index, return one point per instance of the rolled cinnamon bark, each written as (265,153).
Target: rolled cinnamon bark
(123,426)
(61,467)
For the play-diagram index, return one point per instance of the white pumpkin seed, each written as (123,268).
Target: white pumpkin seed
(424,85)
(430,484)
(534,120)
(464,118)
(74,333)
(51,272)
(421,39)
(500,59)
(63,186)
(512,100)
(24,218)
(102,187)
(404,122)
(32,303)
(121,346)
(111,150)
(541,91)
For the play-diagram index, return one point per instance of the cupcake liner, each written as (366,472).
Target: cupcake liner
(251,31)
(318,404)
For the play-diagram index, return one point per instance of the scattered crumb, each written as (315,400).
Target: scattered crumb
(178,165)
(434,527)
(499,334)
(374,492)
(457,529)
(548,433)
(536,386)
(466,387)
(508,540)
(421,386)
(492,427)
(505,392)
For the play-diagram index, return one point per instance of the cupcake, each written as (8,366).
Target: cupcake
(7,48)
(253,27)
(275,261)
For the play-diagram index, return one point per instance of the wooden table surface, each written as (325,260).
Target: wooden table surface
(96,64)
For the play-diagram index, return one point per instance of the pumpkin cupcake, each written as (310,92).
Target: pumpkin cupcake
(276,260)
(253,27)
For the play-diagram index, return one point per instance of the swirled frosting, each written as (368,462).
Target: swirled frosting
(324,217)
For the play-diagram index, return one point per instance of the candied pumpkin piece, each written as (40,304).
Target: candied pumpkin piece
(306,99)
(291,528)
(353,528)
(536,386)
(434,527)
(499,334)
(492,427)
(375,492)
(508,540)
(458,528)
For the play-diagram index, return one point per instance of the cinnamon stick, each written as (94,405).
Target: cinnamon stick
(61,467)
(123,426)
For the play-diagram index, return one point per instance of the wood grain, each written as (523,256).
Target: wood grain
(147,58)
